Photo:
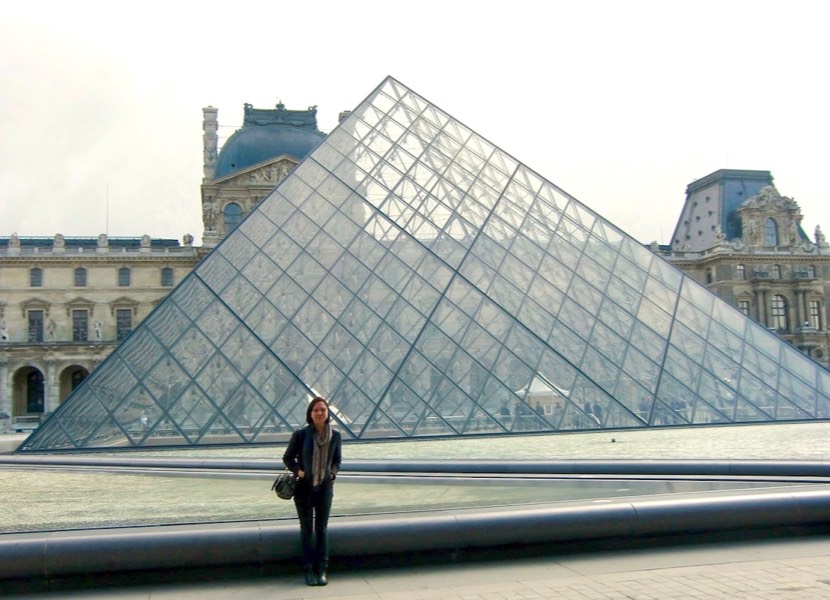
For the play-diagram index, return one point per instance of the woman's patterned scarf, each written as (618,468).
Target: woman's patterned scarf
(321,454)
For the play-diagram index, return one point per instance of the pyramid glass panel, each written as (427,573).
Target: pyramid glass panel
(428,284)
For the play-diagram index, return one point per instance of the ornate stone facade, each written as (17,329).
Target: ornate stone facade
(255,158)
(65,305)
(766,266)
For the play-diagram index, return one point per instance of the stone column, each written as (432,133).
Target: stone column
(5,393)
(210,125)
(51,386)
(799,310)
(763,307)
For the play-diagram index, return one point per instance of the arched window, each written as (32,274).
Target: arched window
(779,313)
(233,216)
(770,232)
(34,391)
(123,277)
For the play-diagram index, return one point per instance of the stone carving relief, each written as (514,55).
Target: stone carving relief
(770,199)
(209,213)
(738,245)
(272,174)
(750,232)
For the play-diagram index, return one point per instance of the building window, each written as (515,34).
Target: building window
(123,277)
(123,323)
(770,232)
(815,314)
(779,313)
(167,277)
(80,277)
(34,392)
(811,271)
(80,325)
(776,271)
(35,277)
(743,306)
(710,276)
(35,325)
(233,217)
(740,272)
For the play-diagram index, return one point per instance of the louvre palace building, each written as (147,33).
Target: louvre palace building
(67,303)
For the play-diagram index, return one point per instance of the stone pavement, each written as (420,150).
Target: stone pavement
(785,569)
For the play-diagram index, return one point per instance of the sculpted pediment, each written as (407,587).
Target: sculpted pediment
(80,303)
(124,302)
(770,199)
(35,304)
(269,174)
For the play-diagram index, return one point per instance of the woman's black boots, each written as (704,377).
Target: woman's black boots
(322,573)
(310,576)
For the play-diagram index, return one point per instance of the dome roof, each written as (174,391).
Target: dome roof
(252,145)
(268,134)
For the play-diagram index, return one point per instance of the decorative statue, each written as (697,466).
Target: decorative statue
(750,231)
(187,239)
(209,213)
(819,236)
(14,241)
(4,332)
(58,242)
(145,241)
(103,242)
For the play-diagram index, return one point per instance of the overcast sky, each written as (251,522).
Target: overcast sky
(621,104)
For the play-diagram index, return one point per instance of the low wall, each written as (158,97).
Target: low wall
(52,555)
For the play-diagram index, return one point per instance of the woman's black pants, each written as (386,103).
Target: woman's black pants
(313,509)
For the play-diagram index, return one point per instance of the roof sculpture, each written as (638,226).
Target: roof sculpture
(429,284)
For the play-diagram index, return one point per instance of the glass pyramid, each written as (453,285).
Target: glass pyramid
(428,284)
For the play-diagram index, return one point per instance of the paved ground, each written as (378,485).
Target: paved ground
(797,568)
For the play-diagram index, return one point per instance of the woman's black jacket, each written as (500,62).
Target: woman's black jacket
(298,455)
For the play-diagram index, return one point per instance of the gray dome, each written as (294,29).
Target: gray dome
(252,145)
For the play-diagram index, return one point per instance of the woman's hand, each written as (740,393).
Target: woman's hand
(300,474)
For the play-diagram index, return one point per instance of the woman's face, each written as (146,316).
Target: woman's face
(319,413)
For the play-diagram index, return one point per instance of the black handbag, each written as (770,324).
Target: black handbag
(284,485)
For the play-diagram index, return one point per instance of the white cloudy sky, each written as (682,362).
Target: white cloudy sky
(621,104)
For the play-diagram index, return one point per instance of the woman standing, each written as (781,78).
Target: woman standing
(313,455)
